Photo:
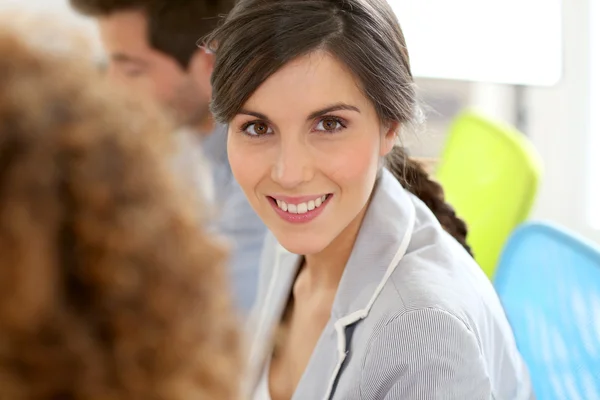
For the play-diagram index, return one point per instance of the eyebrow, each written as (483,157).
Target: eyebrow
(124,58)
(334,107)
(313,115)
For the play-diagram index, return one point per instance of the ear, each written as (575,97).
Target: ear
(201,64)
(200,69)
(389,137)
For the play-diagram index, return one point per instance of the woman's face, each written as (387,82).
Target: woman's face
(305,149)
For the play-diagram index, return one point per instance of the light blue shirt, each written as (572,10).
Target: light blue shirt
(235,220)
(414,316)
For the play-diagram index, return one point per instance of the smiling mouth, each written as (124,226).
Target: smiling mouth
(301,208)
(301,212)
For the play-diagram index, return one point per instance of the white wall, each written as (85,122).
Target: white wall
(560,129)
(483,40)
(594,178)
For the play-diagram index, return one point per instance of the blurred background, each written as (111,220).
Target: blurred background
(511,94)
(529,63)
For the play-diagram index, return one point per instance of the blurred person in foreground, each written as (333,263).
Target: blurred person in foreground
(152,50)
(108,288)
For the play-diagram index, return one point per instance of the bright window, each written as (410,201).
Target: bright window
(594,111)
(500,41)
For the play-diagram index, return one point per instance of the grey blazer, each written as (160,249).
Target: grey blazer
(414,316)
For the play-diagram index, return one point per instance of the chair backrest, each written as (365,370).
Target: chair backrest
(490,173)
(549,284)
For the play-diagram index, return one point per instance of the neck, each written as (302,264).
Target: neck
(324,270)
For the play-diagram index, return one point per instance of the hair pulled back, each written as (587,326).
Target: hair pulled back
(260,36)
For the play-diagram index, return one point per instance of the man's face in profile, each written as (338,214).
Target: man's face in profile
(133,63)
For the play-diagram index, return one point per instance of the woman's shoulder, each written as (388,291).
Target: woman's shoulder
(437,273)
(439,320)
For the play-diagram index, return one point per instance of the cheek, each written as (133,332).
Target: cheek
(135,84)
(144,85)
(354,167)
(164,87)
(166,79)
(240,157)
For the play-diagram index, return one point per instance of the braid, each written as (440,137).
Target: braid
(415,179)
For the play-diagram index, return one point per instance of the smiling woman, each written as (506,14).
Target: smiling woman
(366,275)
(319,139)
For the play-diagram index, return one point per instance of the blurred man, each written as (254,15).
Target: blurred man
(152,49)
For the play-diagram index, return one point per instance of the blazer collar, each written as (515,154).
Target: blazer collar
(383,237)
(387,223)
(387,226)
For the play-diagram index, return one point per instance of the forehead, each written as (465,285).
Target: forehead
(306,84)
(124,32)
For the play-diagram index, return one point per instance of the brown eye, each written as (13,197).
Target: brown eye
(257,129)
(260,128)
(329,124)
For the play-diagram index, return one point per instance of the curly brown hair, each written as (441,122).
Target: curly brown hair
(108,288)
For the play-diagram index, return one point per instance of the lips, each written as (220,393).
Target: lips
(301,207)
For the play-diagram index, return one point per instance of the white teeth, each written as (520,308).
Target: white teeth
(302,207)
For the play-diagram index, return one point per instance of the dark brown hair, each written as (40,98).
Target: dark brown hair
(108,287)
(174,26)
(261,36)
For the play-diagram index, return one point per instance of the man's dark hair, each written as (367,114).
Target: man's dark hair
(174,26)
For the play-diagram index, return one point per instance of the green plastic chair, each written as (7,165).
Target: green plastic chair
(490,173)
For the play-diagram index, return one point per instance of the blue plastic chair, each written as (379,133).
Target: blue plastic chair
(549,283)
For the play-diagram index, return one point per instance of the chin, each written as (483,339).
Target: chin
(302,244)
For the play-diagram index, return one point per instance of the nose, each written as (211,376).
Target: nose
(294,165)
